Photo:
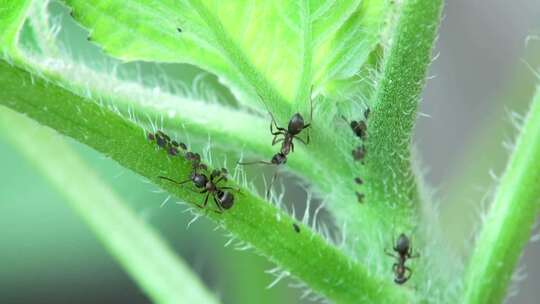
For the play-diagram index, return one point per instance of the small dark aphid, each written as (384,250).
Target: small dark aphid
(358,180)
(360,197)
(173,151)
(359,128)
(179,29)
(404,250)
(366,113)
(296,227)
(210,185)
(359,153)
(162,139)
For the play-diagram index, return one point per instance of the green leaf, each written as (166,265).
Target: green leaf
(12,16)
(144,255)
(509,222)
(279,48)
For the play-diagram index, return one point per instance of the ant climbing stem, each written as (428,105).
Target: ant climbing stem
(209,185)
(404,250)
(295,126)
(205,182)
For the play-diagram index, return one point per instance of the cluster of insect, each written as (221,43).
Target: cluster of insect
(359,129)
(207,183)
(210,183)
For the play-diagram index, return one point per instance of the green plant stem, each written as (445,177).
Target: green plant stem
(509,221)
(390,125)
(144,255)
(305,255)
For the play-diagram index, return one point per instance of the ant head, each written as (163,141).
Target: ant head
(279,158)
(296,124)
(402,244)
(199,179)
(151,136)
(226,199)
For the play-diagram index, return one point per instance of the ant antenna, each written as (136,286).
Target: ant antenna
(311,104)
(255,162)
(172,180)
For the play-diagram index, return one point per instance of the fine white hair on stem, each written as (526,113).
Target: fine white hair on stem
(196,216)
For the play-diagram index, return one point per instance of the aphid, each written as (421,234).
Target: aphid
(358,180)
(165,142)
(359,128)
(195,160)
(179,29)
(296,227)
(360,197)
(404,250)
(359,153)
(210,185)
(162,139)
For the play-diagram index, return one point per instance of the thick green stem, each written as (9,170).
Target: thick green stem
(144,255)
(390,125)
(509,221)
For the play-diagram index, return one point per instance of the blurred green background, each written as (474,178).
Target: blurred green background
(482,74)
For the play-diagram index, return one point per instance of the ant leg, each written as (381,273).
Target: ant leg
(407,269)
(204,203)
(231,188)
(273,122)
(276,140)
(206,199)
(220,209)
(302,140)
(255,162)
(390,254)
(310,114)
(411,255)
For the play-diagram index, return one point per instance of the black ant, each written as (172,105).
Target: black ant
(210,185)
(404,250)
(294,128)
